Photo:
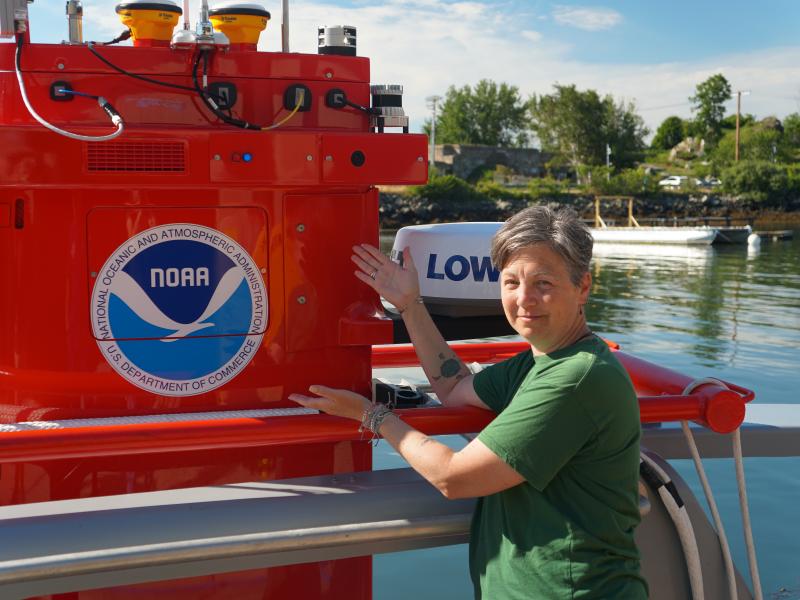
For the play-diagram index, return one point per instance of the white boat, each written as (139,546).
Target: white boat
(634,233)
(733,234)
(689,236)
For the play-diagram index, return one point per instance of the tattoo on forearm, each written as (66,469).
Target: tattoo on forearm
(425,440)
(451,367)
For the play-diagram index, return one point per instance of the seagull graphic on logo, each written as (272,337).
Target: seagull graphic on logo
(131,293)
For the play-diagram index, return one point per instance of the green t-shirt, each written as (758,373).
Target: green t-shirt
(569,423)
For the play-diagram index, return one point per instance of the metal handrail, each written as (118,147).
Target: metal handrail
(277,546)
(54,547)
(660,392)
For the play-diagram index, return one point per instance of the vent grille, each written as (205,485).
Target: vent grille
(138,157)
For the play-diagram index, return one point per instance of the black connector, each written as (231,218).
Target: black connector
(399,396)
(291,97)
(109,109)
(60,91)
(358,158)
(224,94)
(335,98)
(125,35)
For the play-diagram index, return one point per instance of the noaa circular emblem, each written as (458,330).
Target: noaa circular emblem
(179,309)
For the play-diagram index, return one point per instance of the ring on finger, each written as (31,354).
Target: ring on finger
(373,274)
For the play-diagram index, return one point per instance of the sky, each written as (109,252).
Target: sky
(650,52)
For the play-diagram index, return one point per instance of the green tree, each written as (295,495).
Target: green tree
(626,182)
(791,131)
(669,134)
(578,124)
(566,123)
(729,122)
(490,114)
(624,131)
(759,141)
(709,105)
(547,187)
(757,180)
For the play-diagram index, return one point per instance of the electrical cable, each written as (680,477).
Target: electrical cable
(663,106)
(76,93)
(90,46)
(209,102)
(214,108)
(125,35)
(176,86)
(372,111)
(287,117)
(115,117)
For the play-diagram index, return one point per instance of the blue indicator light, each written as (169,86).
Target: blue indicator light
(247,157)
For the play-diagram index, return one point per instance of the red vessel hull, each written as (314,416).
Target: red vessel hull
(289,202)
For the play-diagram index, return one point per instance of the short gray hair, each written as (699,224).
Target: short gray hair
(560,229)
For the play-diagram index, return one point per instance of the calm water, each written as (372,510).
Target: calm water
(726,312)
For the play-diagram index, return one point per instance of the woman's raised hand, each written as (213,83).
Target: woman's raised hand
(399,285)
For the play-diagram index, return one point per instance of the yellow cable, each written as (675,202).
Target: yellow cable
(290,115)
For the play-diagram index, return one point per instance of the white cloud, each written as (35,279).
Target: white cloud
(443,49)
(100,16)
(533,36)
(589,19)
(663,90)
(428,46)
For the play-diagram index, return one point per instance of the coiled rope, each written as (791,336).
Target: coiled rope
(662,484)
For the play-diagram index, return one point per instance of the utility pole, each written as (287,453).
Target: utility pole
(608,162)
(432,102)
(739,94)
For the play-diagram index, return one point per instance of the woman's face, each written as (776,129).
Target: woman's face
(540,301)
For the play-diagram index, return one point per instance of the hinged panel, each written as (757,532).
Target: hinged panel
(267,158)
(375,158)
(321,288)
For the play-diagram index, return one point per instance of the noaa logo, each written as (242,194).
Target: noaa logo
(179,309)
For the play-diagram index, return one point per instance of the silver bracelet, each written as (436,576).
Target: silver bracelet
(378,416)
(372,419)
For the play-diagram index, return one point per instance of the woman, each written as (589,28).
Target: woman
(556,471)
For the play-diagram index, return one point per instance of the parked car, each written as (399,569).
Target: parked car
(674,181)
(711,182)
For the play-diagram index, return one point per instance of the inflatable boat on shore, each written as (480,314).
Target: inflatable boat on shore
(176,219)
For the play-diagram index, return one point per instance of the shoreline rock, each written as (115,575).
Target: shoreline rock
(398,210)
